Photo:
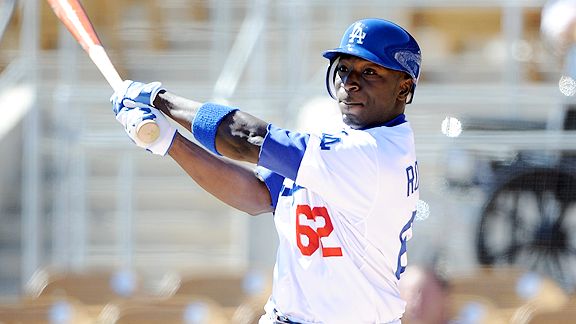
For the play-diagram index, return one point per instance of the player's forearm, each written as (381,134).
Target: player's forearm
(239,135)
(233,184)
(180,109)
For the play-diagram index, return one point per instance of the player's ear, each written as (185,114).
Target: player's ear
(405,89)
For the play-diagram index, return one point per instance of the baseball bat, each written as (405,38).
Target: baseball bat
(74,17)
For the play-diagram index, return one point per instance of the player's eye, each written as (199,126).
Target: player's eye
(342,69)
(369,71)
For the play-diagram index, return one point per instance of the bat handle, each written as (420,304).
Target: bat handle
(147,131)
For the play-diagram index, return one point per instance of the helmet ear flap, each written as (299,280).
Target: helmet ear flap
(331,77)
(411,94)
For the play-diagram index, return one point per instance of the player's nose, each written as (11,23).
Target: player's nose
(350,81)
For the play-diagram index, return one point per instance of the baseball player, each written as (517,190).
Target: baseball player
(343,200)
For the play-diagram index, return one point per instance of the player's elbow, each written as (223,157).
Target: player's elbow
(259,203)
(258,212)
(259,208)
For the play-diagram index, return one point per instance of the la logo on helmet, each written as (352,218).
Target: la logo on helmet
(357,34)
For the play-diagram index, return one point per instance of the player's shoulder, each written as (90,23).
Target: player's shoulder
(394,134)
(385,133)
(364,138)
(400,129)
(345,138)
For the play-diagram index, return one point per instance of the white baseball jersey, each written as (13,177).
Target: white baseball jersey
(344,211)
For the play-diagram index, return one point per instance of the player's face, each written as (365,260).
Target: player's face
(369,94)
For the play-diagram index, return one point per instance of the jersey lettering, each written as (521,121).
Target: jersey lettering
(328,140)
(357,34)
(309,236)
(405,235)
(412,179)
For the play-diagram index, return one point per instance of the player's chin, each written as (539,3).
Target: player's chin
(352,120)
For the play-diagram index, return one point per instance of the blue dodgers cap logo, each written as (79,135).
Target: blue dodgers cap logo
(357,34)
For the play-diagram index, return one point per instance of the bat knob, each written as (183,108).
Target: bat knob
(148,131)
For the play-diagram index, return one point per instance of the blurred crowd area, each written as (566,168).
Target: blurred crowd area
(493,115)
(106,296)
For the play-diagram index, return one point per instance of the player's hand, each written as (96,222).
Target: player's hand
(144,93)
(131,114)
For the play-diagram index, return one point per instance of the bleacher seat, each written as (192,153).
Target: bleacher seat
(468,308)
(228,289)
(566,315)
(250,311)
(515,292)
(174,310)
(45,311)
(93,287)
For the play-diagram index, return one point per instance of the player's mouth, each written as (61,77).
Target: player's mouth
(350,104)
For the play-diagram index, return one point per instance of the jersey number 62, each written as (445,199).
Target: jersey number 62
(318,216)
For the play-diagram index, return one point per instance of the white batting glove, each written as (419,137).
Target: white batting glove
(136,91)
(131,114)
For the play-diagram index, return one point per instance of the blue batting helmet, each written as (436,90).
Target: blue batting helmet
(381,42)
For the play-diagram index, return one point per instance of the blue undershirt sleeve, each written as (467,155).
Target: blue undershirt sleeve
(282,151)
(273,181)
